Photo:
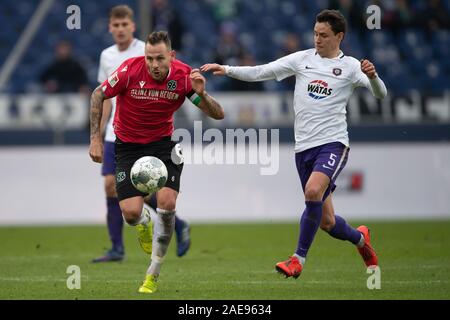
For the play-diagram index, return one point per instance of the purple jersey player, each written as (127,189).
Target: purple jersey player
(325,79)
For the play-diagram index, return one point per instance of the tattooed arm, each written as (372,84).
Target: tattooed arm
(96,146)
(211,107)
(207,103)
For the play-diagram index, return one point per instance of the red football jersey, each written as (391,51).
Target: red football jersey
(145,107)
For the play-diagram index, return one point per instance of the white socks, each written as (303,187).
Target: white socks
(163,227)
(300,258)
(361,242)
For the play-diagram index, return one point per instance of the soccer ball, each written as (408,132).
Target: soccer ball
(148,174)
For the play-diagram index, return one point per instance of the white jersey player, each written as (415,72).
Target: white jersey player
(325,79)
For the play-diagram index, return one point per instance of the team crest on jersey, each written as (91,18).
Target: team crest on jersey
(172,85)
(113,79)
(318,89)
(337,71)
(121,176)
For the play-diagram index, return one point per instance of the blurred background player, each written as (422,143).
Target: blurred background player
(122,27)
(325,79)
(149,89)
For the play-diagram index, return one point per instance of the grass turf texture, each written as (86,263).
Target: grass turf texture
(227,261)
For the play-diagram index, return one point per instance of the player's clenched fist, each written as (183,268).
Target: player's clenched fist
(368,68)
(216,69)
(96,151)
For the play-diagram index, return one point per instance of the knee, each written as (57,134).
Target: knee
(167,201)
(131,214)
(110,187)
(313,193)
(167,204)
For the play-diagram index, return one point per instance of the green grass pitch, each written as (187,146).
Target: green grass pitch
(228,261)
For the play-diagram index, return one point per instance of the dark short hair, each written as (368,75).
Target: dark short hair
(334,18)
(121,11)
(158,37)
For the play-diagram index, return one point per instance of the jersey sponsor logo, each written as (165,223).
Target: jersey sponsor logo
(113,79)
(337,71)
(318,89)
(172,85)
(153,94)
(141,83)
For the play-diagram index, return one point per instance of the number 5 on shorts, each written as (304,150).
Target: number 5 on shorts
(332,160)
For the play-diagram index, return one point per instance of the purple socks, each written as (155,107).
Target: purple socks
(309,224)
(115,223)
(343,231)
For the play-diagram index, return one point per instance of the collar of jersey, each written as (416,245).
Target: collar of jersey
(339,56)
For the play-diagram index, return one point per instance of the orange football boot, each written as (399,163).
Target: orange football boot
(290,268)
(367,252)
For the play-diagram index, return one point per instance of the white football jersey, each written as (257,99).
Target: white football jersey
(322,90)
(110,59)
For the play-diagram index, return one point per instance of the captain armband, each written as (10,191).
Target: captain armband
(195,99)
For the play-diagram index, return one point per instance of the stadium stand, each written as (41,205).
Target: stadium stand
(411,57)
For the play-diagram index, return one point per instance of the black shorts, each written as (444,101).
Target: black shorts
(128,153)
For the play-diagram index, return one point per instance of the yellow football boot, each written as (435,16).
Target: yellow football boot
(149,285)
(145,234)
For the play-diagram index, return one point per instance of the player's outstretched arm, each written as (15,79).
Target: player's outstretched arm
(377,85)
(96,146)
(250,74)
(207,104)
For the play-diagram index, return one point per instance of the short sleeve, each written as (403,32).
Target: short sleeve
(117,81)
(188,82)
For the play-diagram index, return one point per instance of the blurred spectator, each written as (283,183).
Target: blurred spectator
(229,49)
(165,18)
(65,74)
(223,9)
(291,44)
(352,11)
(396,15)
(435,16)
(231,84)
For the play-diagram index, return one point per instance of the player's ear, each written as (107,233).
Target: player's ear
(340,36)
(173,54)
(133,27)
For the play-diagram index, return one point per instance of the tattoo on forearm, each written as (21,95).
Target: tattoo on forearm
(212,107)
(97,98)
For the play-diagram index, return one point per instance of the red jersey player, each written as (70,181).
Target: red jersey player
(149,89)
